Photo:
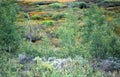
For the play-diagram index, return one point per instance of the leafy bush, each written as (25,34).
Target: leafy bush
(98,36)
(83,5)
(48,23)
(28,48)
(56,5)
(44,49)
(68,33)
(35,17)
(77,4)
(8,68)
(9,33)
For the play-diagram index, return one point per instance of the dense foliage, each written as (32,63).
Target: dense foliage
(9,33)
(98,35)
(74,43)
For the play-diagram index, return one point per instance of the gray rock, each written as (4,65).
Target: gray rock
(110,65)
(107,65)
(23,59)
(44,59)
(51,59)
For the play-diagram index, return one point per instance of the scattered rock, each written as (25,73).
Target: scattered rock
(50,59)
(23,59)
(107,65)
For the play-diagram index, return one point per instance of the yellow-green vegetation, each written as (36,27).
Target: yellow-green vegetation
(56,5)
(42,69)
(35,17)
(99,34)
(58,16)
(41,8)
(81,35)
(48,23)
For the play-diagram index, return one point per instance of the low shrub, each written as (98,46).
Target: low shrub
(58,16)
(35,17)
(77,67)
(41,8)
(83,5)
(48,23)
(98,36)
(40,17)
(28,48)
(68,33)
(8,69)
(34,35)
(45,48)
(77,4)
(56,5)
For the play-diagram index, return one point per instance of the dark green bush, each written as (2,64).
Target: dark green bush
(56,5)
(9,33)
(35,17)
(77,4)
(83,5)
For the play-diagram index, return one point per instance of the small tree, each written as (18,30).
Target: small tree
(9,33)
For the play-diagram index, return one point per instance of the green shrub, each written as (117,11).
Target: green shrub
(35,17)
(9,33)
(41,17)
(8,68)
(28,48)
(44,49)
(56,5)
(78,67)
(83,5)
(68,33)
(77,4)
(58,16)
(98,36)
(41,8)
(48,23)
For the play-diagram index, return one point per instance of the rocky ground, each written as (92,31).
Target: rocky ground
(106,65)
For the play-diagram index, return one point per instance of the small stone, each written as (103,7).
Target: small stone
(51,59)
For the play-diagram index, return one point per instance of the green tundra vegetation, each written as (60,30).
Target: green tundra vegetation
(82,32)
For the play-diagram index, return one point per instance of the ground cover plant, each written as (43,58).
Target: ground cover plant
(59,40)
